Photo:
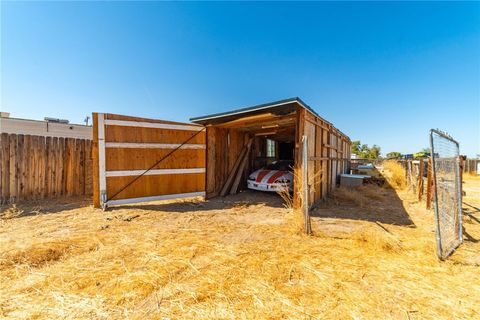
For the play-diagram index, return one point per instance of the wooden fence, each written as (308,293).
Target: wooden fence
(470,165)
(36,167)
(419,177)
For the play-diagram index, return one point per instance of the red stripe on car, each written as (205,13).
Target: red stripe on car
(262,174)
(275,176)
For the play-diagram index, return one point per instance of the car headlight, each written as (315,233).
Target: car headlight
(251,178)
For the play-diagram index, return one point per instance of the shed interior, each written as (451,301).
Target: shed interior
(270,132)
(264,135)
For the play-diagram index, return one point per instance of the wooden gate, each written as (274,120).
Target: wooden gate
(138,160)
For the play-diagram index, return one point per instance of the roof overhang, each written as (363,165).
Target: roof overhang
(275,109)
(279,108)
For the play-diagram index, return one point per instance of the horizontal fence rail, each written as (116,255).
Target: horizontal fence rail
(36,167)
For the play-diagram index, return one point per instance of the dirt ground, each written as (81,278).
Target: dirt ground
(372,256)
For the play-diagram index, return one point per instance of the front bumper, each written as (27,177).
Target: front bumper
(271,187)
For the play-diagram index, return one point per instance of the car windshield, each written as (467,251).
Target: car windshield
(283,165)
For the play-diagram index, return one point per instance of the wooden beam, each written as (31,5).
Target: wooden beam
(264,120)
(236,183)
(429,184)
(95,167)
(231,176)
(321,125)
(244,120)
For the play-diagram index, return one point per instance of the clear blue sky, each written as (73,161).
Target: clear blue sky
(384,73)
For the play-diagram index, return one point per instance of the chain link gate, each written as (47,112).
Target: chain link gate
(447,191)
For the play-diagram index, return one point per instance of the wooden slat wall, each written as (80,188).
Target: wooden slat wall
(471,165)
(125,159)
(36,167)
(223,148)
(328,151)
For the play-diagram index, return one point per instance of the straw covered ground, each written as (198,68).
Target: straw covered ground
(371,256)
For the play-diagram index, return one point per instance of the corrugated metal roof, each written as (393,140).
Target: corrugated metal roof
(253,108)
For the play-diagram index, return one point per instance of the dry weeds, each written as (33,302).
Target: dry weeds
(11,212)
(394,174)
(231,259)
(471,176)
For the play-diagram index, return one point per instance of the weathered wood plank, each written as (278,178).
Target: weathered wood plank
(61,166)
(210,162)
(42,166)
(154,185)
(5,169)
(241,168)
(81,172)
(13,167)
(233,172)
(48,166)
(28,166)
(21,166)
(88,167)
(31,167)
(95,168)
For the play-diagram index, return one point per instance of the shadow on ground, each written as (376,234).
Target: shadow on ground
(389,210)
(245,198)
(43,206)
(376,202)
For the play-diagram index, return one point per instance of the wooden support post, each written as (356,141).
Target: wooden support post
(461,164)
(305,191)
(420,180)
(429,184)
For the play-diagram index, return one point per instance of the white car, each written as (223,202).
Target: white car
(275,177)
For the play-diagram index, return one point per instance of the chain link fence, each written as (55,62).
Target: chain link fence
(447,192)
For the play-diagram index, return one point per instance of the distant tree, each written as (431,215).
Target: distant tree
(374,152)
(363,151)
(394,154)
(356,147)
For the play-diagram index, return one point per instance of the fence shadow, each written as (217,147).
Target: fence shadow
(386,207)
(375,202)
(58,205)
(28,208)
(244,198)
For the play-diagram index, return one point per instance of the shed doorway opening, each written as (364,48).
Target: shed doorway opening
(242,141)
(250,151)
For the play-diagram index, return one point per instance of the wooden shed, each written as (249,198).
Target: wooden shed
(143,159)
(277,130)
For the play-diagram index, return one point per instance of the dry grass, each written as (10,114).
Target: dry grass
(394,174)
(362,197)
(11,212)
(471,176)
(230,259)
(294,218)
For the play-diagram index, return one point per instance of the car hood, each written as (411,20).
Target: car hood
(270,176)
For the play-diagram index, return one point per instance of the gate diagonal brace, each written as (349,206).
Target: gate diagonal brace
(105,203)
